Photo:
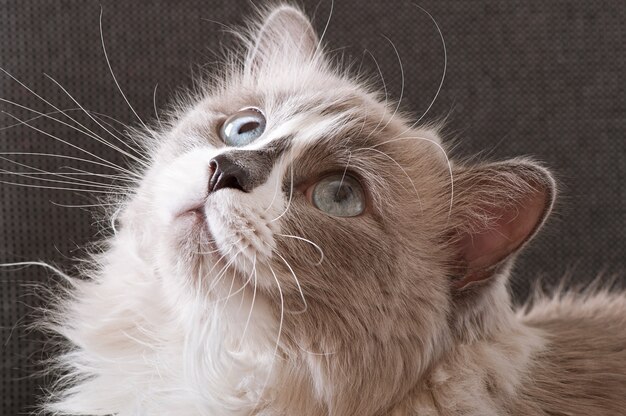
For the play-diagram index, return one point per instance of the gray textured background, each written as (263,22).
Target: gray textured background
(534,78)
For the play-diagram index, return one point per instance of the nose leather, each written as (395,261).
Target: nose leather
(227,174)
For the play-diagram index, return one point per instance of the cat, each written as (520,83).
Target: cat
(295,246)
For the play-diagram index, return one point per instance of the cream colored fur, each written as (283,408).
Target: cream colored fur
(223,304)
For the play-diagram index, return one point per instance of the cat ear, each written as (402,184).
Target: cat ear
(285,35)
(499,208)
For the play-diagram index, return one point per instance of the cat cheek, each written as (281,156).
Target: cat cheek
(180,189)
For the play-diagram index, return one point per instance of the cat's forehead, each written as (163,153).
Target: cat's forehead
(311,117)
(337,113)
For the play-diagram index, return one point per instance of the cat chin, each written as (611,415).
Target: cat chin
(242,229)
(239,225)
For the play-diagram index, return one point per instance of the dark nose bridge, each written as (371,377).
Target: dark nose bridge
(243,170)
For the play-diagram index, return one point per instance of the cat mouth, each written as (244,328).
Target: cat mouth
(194,210)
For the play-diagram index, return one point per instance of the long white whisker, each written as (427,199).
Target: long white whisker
(321,39)
(245,283)
(223,271)
(290,196)
(98,138)
(307,241)
(245,328)
(39,172)
(41,264)
(445,66)
(419,200)
(37,117)
(276,190)
(86,131)
(280,331)
(401,87)
(156,112)
(76,182)
(54,155)
(64,173)
(77,171)
(102,116)
(295,278)
(106,56)
(382,79)
(230,290)
(444,154)
(58,188)
(82,206)
(69,144)
(343,176)
(230,245)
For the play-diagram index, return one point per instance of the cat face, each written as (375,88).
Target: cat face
(322,159)
(290,177)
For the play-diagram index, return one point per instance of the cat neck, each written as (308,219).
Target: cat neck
(487,358)
(483,377)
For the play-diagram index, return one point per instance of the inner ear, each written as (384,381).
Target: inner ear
(285,35)
(507,205)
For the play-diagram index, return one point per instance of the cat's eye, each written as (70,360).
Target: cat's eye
(339,195)
(243,127)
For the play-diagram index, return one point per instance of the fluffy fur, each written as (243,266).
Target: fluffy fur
(239,303)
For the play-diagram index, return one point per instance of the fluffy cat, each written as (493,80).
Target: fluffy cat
(296,247)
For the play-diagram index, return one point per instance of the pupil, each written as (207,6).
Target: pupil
(249,126)
(343,192)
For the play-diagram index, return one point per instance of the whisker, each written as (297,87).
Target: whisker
(54,155)
(62,173)
(276,190)
(102,116)
(82,206)
(86,131)
(445,66)
(254,286)
(217,250)
(318,49)
(50,267)
(444,154)
(230,290)
(106,56)
(401,87)
(322,354)
(58,188)
(419,200)
(382,79)
(280,331)
(245,284)
(116,177)
(297,284)
(220,275)
(290,195)
(156,112)
(40,172)
(343,176)
(73,183)
(37,117)
(113,165)
(307,241)
(96,137)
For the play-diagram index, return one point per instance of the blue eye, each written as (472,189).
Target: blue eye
(243,127)
(339,195)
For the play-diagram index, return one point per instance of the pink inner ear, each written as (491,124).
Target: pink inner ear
(514,226)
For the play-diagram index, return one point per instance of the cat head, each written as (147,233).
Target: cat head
(290,176)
